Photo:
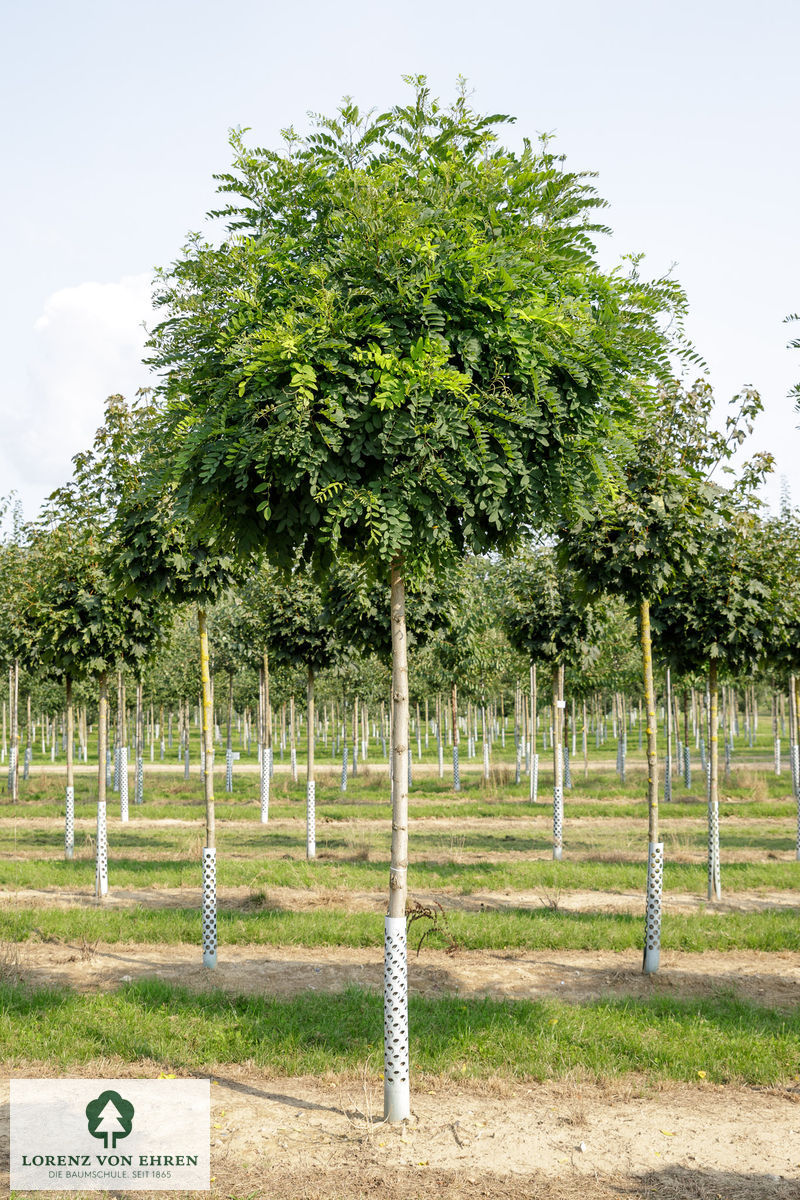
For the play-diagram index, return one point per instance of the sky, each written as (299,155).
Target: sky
(116,117)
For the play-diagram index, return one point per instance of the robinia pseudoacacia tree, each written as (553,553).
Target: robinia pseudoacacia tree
(401,346)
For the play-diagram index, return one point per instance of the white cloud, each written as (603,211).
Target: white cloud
(88,344)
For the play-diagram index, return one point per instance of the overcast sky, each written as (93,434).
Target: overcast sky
(116,115)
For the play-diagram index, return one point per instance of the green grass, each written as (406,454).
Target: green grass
(278,860)
(512,929)
(313,1032)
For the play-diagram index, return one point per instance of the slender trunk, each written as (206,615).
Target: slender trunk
(311,844)
(101,867)
(395,1001)
(69,817)
(714,886)
(207,729)
(655,850)
(558,767)
(650,702)
(209,856)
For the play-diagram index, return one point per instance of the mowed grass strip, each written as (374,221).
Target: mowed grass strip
(283,864)
(510,929)
(313,1033)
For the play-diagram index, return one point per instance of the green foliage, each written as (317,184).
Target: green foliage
(403,345)
(728,608)
(544,614)
(656,529)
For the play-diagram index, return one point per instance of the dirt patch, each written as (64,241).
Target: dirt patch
(322,1139)
(575,976)
(307,899)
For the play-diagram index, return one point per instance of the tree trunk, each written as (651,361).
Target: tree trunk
(311,787)
(655,849)
(533,749)
(395,995)
(209,912)
(138,787)
(714,885)
(456,765)
(101,845)
(69,815)
(558,767)
(266,741)
(229,737)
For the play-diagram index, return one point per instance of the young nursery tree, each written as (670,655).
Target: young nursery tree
(402,347)
(653,533)
(548,621)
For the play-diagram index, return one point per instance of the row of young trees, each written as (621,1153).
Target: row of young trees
(402,351)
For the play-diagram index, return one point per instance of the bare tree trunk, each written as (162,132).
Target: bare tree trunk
(69,815)
(456,764)
(311,787)
(714,884)
(209,913)
(101,845)
(655,849)
(558,768)
(397,1105)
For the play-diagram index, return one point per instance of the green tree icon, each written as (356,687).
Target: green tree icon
(109,1116)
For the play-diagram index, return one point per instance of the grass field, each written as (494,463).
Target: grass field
(484,854)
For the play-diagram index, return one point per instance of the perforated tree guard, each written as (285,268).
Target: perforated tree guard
(440,755)
(69,824)
(518,765)
(264,791)
(410,768)
(209,907)
(293,763)
(567,768)
(186,763)
(344,767)
(109,771)
(558,822)
(311,819)
(26,765)
(456,770)
(396,1095)
(123,783)
(138,795)
(101,853)
(535,779)
(485,760)
(228,770)
(777,756)
(652,920)
(12,767)
(687,767)
(714,883)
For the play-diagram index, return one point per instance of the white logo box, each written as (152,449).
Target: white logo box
(110,1134)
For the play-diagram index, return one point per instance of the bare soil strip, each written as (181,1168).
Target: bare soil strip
(308,899)
(574,976)
(321,1139)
